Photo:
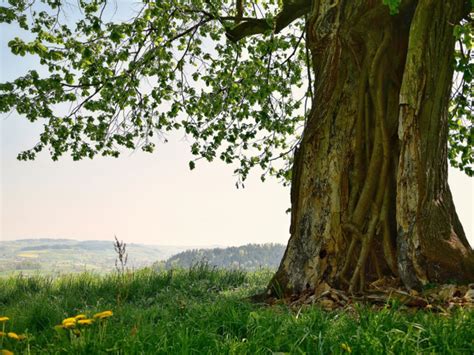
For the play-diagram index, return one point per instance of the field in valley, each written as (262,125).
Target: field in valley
(53,257)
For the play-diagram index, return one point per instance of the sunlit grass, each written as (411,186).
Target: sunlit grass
(203,310)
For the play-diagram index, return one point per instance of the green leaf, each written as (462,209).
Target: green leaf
(393,5)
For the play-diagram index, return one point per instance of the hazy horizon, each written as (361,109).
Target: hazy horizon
(38,238)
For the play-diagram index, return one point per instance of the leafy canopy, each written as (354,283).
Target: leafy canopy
(186,65)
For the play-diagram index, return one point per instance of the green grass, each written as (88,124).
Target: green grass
(202,310)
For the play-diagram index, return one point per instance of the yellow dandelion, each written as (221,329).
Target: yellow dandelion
(69,325)
(103,315)
(69,320)
(4,319)
(6,352)
(346,347)
(80,316)
(12,335)
(85,321)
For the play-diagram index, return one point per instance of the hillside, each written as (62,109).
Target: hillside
(248,257)
(50,257)
(60,256)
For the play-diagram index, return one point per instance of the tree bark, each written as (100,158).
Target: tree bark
(369,183)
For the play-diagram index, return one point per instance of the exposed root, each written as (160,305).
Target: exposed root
(352,228)
(376,264)
(359,141)
(347,263)
(387,245)
(367,125)
(374,191)
(359,272)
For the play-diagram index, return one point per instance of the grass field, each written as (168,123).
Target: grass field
(202,311)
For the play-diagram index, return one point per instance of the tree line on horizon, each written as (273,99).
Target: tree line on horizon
(248,257)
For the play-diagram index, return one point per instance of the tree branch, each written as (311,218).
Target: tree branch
(289,13)
(239,6)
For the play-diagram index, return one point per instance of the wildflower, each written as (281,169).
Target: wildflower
(69,320)
(12,335)
(2,334)
(346,347)
(21,336)
(103,315)
(85,321)
(6,352)
(80,316)
(69,325)
(4,319)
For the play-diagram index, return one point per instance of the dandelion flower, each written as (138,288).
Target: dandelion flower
(6,352)
(80,316)
(346,347)
(4,319)
(103,315)
(85,321)
(69,325)
(21,336)
(69,320)
(12,335)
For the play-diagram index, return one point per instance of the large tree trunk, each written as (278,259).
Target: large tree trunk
(369,193)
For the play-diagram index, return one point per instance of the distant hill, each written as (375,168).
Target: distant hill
(59,256)
(247,257)
(52,257)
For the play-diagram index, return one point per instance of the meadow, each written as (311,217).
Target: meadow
(203,310)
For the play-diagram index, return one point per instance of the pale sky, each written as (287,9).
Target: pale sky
(142,198)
